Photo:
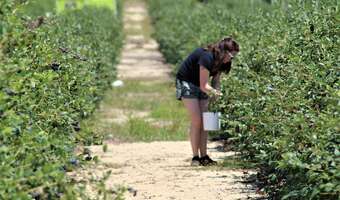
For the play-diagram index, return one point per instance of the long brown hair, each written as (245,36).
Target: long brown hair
(219,50)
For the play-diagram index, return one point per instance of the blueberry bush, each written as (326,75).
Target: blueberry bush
(53,72)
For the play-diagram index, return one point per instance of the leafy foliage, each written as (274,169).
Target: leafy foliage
(281,100)
(75,4)
(36,8)
(53,71)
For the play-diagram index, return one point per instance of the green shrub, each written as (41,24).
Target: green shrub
(51,76)
(281,101)
(36,8)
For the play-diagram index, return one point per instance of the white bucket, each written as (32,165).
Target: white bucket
(211,121)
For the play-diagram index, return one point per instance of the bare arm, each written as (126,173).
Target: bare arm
(204,82)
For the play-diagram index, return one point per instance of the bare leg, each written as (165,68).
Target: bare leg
(204,134)
(193,107)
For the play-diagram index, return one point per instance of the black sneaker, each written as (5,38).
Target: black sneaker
(196,161)
(206,161)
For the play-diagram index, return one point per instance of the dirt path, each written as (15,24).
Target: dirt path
(159,170)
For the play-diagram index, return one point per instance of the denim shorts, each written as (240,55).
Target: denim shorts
(189,90)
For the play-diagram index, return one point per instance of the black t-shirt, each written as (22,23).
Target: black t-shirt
(190,68)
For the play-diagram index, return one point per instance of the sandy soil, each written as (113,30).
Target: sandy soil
(161,170)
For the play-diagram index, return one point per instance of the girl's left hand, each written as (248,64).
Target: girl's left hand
(216,92)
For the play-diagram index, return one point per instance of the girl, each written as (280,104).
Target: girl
(193,88)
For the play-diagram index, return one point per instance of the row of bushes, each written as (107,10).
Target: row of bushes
(53,71)
(281,100)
